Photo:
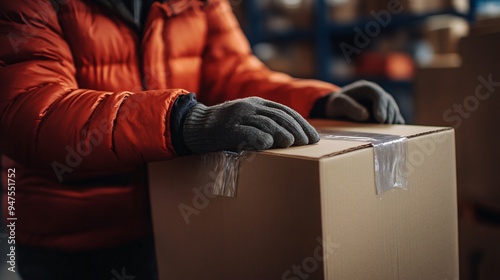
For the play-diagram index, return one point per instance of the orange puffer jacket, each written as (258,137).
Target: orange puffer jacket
(85,103)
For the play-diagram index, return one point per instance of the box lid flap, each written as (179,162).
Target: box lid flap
(327,148)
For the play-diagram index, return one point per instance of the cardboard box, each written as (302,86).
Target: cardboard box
(344,11)
(418,6)
(428,6)
(467,98)
(311,213)
(283,15)
(295,59)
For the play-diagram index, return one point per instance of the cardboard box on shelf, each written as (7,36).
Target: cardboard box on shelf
(444,32)
(427,6)
(467,98)
(312,212)
(295,59)
(286,15)
(442,40)
(417,6)
(344,11)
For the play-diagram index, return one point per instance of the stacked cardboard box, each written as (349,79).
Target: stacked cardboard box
(467,98)
(418,7)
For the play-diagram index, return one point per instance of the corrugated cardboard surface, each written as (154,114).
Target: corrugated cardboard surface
(302,214)
(262,232)
(331,148)
(402,234)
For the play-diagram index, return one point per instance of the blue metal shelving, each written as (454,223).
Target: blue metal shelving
(324,31)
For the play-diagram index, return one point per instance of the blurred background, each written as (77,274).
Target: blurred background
(440,59)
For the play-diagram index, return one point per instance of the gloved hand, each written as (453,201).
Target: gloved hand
(362,101)
(250,123)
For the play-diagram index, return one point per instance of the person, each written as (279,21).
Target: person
(91,91)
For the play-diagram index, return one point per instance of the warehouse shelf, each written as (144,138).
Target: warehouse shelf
(324,31)
(286,35)
(397,21)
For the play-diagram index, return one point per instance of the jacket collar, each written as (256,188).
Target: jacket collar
(119,8)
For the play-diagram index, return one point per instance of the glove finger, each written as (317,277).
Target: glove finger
(287,122)
(369,91)
(399,119)
(342,105)
(390,115)
(396,115)
(281,137)
(310,132)
(380,110)
(395,118)
(251,138)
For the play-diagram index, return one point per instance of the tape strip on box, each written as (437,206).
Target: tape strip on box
(225,166)
(390,155)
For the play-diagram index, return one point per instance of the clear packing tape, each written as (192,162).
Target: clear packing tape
(389,156)
(225,167)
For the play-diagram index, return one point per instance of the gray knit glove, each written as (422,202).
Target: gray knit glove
(251,123)
(362,101)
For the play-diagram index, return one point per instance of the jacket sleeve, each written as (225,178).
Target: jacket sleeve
(231,71)
(47,122)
